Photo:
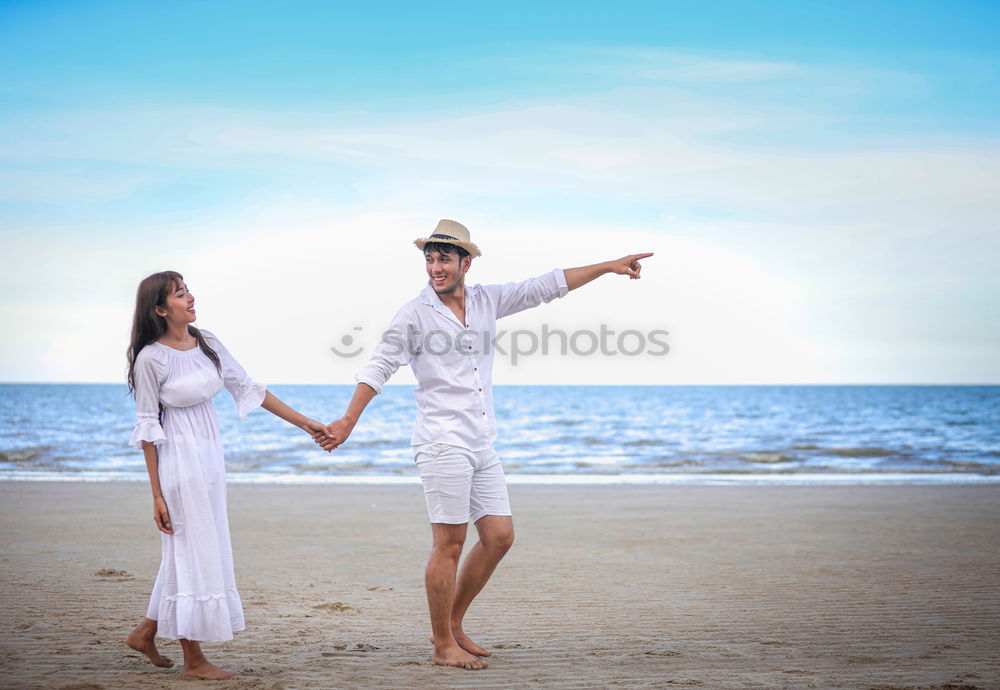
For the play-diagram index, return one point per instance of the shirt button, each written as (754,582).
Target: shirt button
(475,368)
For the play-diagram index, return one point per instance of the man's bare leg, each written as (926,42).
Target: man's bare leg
(197,666)
(440,582)
(143,639)
(496,535)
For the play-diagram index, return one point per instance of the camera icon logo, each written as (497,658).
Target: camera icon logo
(346,341)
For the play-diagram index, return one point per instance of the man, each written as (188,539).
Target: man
(445,335)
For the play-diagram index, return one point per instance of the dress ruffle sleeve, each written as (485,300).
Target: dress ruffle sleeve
(247,393)
(147,403)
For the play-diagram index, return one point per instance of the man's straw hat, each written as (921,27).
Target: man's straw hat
(450,232)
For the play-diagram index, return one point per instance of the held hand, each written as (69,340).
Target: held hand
(338,430)
(629,265)
(161,516)
(318,433)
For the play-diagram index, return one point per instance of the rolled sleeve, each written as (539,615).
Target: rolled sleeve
(561,283)
(369,376)
(515,297)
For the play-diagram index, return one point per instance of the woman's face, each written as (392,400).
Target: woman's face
(179,307)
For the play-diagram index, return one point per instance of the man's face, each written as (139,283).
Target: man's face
(446,270)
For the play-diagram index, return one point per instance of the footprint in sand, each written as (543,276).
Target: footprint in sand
(357,647)
(113,575)
(336,607)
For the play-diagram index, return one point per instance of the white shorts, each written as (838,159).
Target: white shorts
(461,485)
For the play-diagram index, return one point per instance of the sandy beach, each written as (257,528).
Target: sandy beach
(655,586)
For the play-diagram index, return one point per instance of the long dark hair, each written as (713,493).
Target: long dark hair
(148,326)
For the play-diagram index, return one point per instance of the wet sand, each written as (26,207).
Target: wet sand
(717,587)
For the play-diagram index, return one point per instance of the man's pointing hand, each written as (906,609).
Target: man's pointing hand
(629,265)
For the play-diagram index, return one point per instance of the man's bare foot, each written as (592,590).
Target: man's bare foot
(456,656)
(206,671)
(142,639)
(466,643)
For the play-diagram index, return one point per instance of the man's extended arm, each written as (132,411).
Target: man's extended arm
(514,297)
(627,265)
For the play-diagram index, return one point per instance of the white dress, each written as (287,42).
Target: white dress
(195,595)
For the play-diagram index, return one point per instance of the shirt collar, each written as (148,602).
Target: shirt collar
(428,296)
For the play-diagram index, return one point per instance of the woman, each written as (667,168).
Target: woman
(174,372)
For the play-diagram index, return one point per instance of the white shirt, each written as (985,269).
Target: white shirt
(453,362)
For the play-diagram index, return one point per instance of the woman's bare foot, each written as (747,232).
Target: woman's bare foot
(142,639)
(197,666)
(206,671)
(456,656)
(466,643)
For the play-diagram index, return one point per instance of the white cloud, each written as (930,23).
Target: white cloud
(776,261)
(630,146)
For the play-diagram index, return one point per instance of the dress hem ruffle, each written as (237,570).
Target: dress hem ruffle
(199,618)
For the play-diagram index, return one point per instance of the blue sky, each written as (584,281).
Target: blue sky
(819,180)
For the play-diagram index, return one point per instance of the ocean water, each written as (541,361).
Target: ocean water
(571,434)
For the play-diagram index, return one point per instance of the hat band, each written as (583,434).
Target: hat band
(444,237)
